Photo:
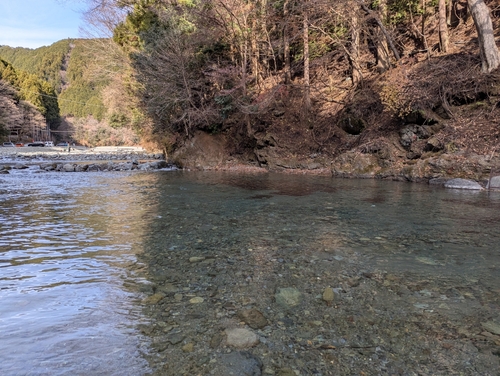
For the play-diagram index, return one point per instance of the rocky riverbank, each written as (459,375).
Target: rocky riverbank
(80,159)
(385,159)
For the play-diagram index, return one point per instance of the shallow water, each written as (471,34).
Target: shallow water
(67,241)
(70,279)
(399,226)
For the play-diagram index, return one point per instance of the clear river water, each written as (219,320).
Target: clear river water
(78,251)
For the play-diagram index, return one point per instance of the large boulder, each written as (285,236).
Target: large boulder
(355,164)
(202,151)
(494,183)
(463,184)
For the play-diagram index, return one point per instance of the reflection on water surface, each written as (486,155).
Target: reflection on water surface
(64,252)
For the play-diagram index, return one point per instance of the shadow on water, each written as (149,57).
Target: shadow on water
(412,271)
(275,184)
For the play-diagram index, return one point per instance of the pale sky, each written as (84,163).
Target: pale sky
(36,23)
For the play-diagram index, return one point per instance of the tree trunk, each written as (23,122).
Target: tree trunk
(244,51)
(354,50)
(383,61)
(255,52)
(490,56)
(244,62)
(452,18)
(422,31)
(449,11)
(307,93)
(263,34)
(286,44)
(382,27)
(443,27)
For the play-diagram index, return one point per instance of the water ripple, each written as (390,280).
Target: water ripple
(64,250)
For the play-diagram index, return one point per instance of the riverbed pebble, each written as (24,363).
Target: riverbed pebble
(241,338)
(288,297)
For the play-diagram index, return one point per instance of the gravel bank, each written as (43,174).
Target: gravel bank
(76,153)
(80,159)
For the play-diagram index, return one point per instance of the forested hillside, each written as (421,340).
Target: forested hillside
(59,82)
(45,62)
(63,65)
(28,104)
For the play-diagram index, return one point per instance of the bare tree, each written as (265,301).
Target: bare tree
(357,75)
(10,116)
(443,26)
(19,119)
(490,56)
(383,60)
(307,80)
(380,24)
(286,42)
(102,16)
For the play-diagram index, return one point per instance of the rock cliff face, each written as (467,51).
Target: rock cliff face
(388,161)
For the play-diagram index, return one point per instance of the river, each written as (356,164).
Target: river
(100,272)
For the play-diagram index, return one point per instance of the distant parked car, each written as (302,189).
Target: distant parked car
(64,144)
(37,144)
(8,145)
(49,143)
(19,145)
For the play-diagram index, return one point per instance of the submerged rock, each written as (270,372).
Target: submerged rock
(196,259)
(196,300)
(253,318)
(241,338)
(175,338)
(491,327)
(238,363)
(153,299)
(328,295)
(288,297)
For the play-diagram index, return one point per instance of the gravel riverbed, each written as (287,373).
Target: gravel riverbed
(314,314)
